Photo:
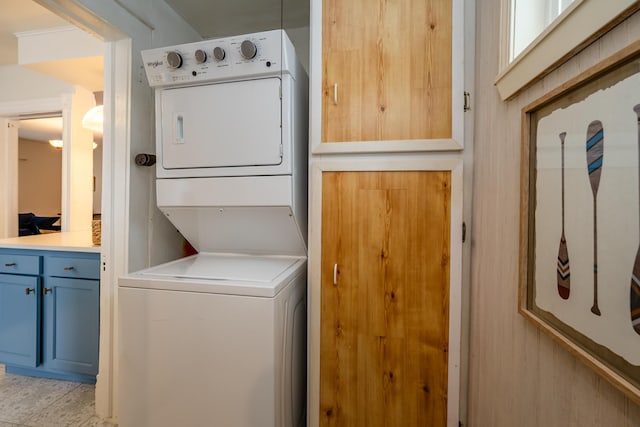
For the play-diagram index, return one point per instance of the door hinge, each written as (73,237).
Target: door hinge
(460,424)
(467,101)
(464,232)
(280,91)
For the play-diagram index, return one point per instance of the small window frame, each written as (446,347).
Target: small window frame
(580,24)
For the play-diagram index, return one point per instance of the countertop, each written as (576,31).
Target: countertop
(74,241)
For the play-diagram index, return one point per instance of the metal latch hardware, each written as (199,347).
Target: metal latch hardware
(467,101)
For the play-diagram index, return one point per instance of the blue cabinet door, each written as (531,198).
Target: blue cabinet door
(71,318)
(19,320)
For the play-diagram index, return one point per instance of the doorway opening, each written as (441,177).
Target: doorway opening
(115,81)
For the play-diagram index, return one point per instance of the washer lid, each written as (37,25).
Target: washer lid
(222,274)
(245,268)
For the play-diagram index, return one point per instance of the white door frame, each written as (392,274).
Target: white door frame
(115,168)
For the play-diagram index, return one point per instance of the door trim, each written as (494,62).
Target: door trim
(115,169)
(414,162)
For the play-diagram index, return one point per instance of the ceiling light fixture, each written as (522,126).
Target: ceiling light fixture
(93,119)
(56,143)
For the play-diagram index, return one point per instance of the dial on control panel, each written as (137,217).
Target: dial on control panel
(218,53)
(201,56)
(174,60)
(248,49)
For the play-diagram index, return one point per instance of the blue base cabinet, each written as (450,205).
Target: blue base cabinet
(19,319)
(71,320)
(49,313)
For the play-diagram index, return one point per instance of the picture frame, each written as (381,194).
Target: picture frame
(580,217)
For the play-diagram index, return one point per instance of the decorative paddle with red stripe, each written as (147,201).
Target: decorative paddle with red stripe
(635,286)
(595,152)
(564,277)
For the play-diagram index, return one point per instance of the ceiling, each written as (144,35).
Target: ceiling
(18,16)
(41,129)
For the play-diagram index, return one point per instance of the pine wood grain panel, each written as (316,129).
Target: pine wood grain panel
(384,326)
(391,61)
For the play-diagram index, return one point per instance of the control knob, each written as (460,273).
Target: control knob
(248,49)
(219,53)
(201,56)
(174,59)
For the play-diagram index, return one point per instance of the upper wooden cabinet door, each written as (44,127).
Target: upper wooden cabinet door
(387,71)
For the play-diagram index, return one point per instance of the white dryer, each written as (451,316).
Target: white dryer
(219,338)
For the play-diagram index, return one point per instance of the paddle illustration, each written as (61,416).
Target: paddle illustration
(595,151)
(564,278)
(635,286)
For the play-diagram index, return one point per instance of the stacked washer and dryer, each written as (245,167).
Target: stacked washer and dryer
(219,338)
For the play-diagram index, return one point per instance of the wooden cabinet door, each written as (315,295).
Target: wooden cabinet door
(386,70)
(384,305)
(71,325)
(20,320)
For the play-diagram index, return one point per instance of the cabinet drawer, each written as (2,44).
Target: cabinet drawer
(85,268)
(20,264)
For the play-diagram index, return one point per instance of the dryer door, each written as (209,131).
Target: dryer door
(222,125)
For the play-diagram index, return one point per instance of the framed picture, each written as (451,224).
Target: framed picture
(580,217)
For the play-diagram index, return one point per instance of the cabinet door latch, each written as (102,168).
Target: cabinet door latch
(467,101)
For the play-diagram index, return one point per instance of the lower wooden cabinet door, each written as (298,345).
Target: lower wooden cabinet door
(71,325)
(20,319)
(384,315)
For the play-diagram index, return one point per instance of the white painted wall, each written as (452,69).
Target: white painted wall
(8,175)
(18,84)
(77,164)
(70,42)
(519,376)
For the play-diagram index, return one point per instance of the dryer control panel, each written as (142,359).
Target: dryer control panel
(261,54)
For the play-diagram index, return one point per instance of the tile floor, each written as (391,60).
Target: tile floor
(41,402)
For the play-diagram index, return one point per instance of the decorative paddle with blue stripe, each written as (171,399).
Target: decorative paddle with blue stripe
(595,151)
(635,286)
(564,278)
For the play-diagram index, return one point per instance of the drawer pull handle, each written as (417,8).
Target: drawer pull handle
(28,291)
(335,94)
(69,268)
(335,274)
(10,264)
(47,291)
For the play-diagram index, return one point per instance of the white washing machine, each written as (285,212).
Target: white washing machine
(219,338)
(222,345)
